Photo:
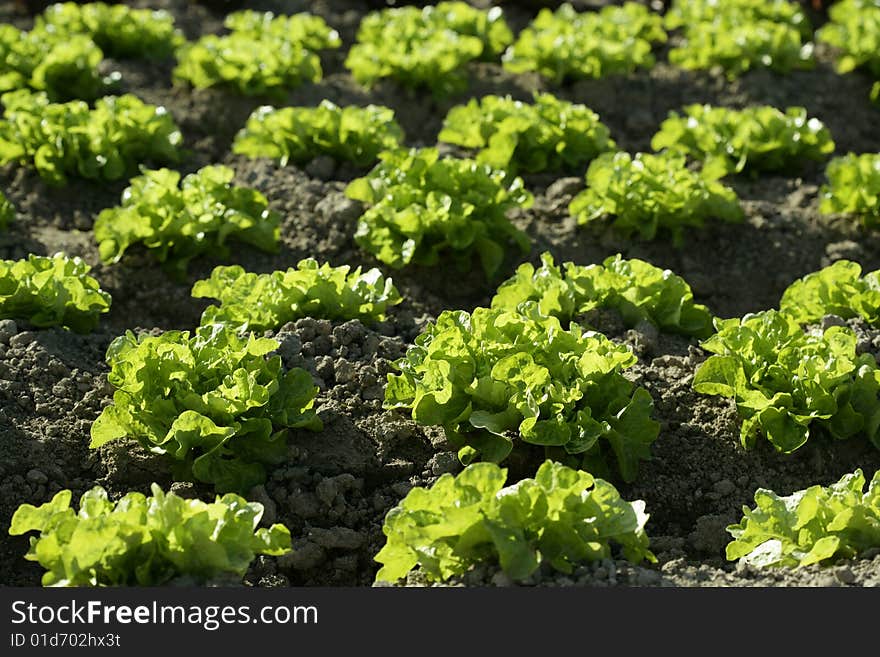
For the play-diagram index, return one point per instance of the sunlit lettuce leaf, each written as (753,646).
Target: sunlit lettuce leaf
(145,541)
(786,382)
(299,134)
(51,291)
(818,525)
(179,219)
(210,401)
(259,302)
(549,134)
(496,378)
(562,517)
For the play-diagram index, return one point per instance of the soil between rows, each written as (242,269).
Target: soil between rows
(338,484)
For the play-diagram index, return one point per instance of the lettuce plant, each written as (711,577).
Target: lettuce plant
(212,401)
(496,378)
(423,209)
(65,67)
(838,289)
(104,143)
(739,35)
(51,291)
(854,30)
(638,290)
(818,525)
(178,220)
(565,44)
(263,55)
(562,517)
(785,380)
(754,139)
(739,47)
(299,134)
(648,193)
(853,187)
(145,541)
(550,134)
(683,13)
(118,30)
(426,47)
(7,211)
(259,302)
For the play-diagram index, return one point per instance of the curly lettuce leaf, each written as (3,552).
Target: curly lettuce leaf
(818,525)
(52,291)
(178,219)
(145,541)
(108,142)
(838,289)
(426,47)
(561,517)
(647,194)
(754,139)
(494,378)
(549,134)
(786,381)
(259,302)
(638,290)
(423,209)
(212,401)
(299,134)
(565,44)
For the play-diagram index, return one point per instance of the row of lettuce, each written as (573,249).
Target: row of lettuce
(421,206)
(526,373)
(428,48)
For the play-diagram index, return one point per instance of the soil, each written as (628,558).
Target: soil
(339,483)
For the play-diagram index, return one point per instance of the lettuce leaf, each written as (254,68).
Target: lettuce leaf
(259,302)
(494,378)
(145,541)
(562,517)
(212,401)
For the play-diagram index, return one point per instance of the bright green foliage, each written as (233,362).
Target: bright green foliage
(264,55)
(426,47)
(853,187)
(683,13)
(740,35)
(104,143)
(7,211)
(212,401)
(118,30)
(145,541)
(854,29)
(740,47)
(259,302)
(821,524)
(838,289)
(298,134)
(496,377)
(755,139)
(566,44)
(562,517)
(51,291)
(638,290)
(784,380)
(64,67)
(424,209)
(875,93)
(181,219)
(550,134)
(648,193)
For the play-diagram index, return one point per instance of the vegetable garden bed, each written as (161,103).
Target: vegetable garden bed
(334,486)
